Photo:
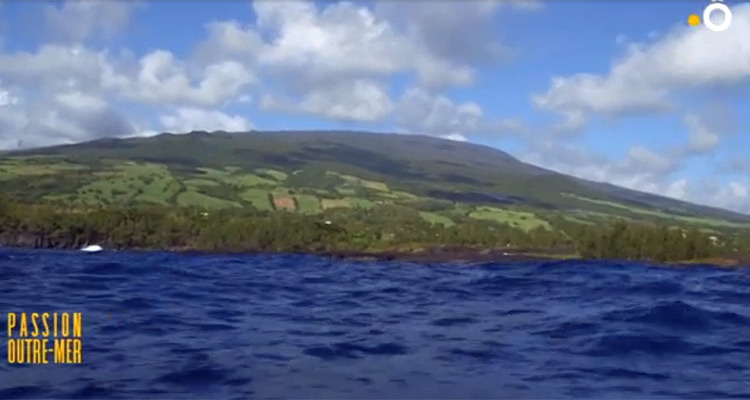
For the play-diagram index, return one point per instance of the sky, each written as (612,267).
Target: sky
(624,92)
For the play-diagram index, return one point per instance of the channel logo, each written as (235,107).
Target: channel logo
(41,338)
(716,6)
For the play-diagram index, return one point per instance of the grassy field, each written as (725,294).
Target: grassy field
(193,198)
(276,175)
(358,202)
(232,177)
(519,219)
(280,191)
(593,216)
(359,182)
(15,167)
(578,220)
(198,182)
(363,165)
(308,204)
(152,183)
(333,171)
(664,215)
(258,198)
(462,209)
(397,195)
(334,203)
(434,218)
(346,191)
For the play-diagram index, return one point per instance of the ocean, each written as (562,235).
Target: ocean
(178,326)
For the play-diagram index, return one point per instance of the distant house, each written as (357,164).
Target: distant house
(284,203)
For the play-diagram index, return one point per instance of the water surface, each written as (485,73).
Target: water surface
(169,326)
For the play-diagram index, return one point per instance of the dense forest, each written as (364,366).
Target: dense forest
(381,229)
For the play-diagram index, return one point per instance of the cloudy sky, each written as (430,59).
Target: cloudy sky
(622,92)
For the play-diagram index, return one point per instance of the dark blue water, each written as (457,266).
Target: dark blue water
(205,326)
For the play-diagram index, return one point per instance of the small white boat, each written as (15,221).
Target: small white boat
(92,248)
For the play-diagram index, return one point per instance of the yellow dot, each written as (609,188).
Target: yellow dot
(694,20)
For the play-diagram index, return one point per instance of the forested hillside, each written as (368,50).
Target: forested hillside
(274,190)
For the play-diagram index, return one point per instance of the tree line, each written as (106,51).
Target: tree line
(660,243)
(387,228)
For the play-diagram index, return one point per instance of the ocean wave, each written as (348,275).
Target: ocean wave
(163,325)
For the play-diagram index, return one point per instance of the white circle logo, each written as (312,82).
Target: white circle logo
(724,10)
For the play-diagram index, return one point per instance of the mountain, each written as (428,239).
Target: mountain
(312,171)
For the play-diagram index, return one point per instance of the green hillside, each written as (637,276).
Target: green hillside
(316,172)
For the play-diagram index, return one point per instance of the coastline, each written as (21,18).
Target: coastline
(451,254)
(378,234)
(446,254)
(424,254)
(724,262)
(503,256)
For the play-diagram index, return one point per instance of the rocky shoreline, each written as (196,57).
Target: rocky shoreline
(472,255)
(452,254)
(727,262)
(444,254)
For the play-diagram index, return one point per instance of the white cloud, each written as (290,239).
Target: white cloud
(586,93)
(454,37)
(164,80)
(572,122)
(310,53)
(451,39)
(342,39)
(77,21)
(422,112)
(331,62)
(527,5)
(12,123)
(69,88)
(677,189)
(358,100)
(53,67)
(736,165)
(272,103)
(157,78)
(738,190)
(641,169)
(567,158)
(229,40)
(702,138)
(57,97)
(455,137)
(641,159)
(643,79)
(6,98)
(735,195)
(439,74)
(59,120)
(458,32)
(80,102)
(194,119)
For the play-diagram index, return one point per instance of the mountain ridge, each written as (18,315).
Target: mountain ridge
(428,167)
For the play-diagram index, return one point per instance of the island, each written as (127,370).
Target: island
(342,194)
